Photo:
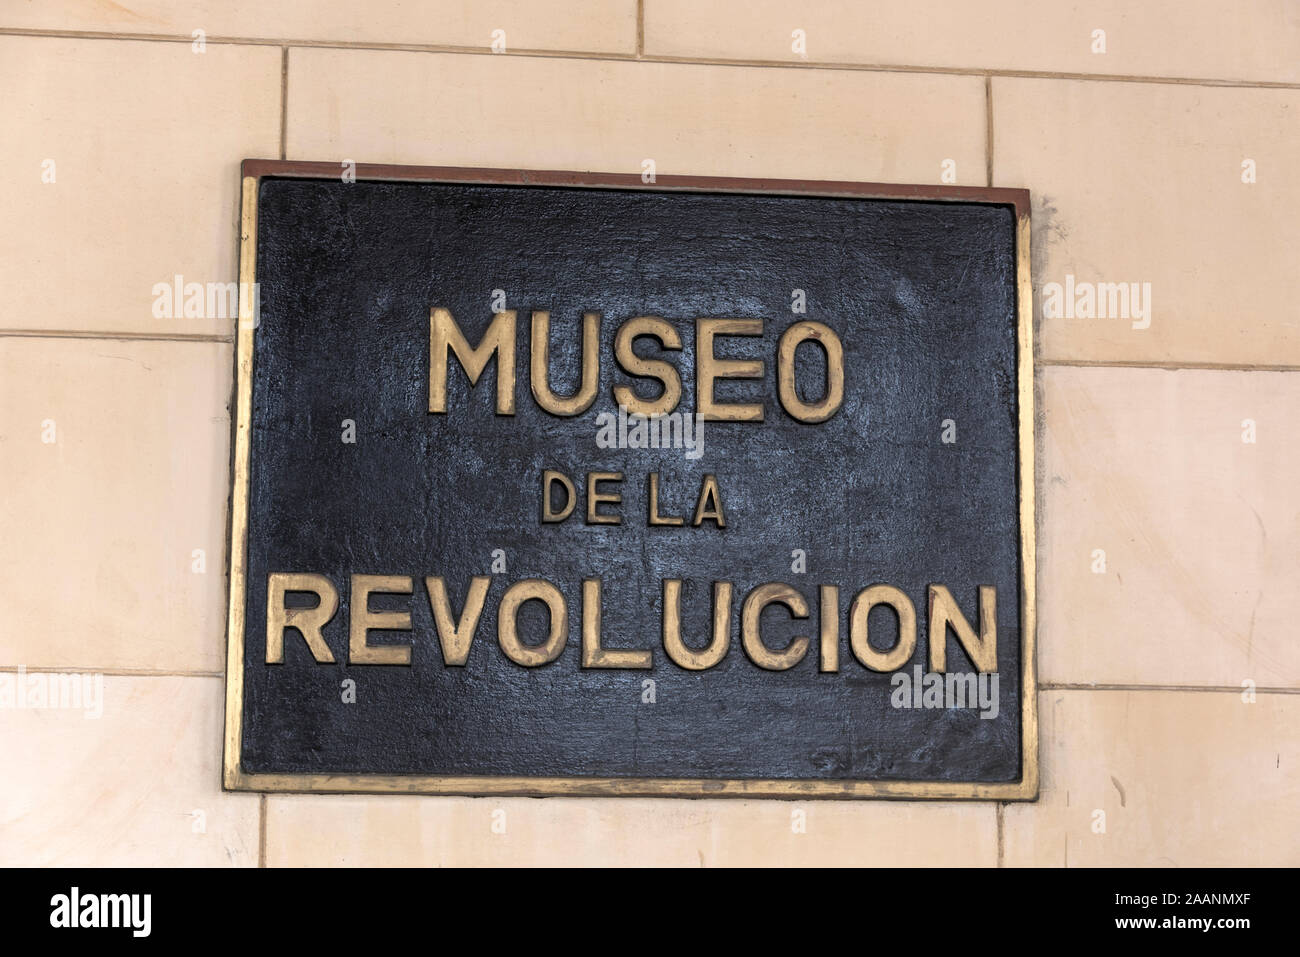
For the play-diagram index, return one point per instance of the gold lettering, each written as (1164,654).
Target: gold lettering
(896,657)
(445,336)
(530,656)
(709,493)
(593,655)
(634,365)
(364,620)
(595,498)
(825,337)
(751,638)
(693,659)
(541,362)
(550,477)
(830,623)
(307,621)
(455,637)
(709,367)
(655,517)
(944,611)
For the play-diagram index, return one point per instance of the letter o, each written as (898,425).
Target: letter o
(897,656)
(530,656)
(830,403)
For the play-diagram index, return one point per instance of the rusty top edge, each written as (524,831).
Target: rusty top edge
(1018,198)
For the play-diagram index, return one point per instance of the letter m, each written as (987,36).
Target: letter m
(116,910)
(223,300)
(1116,298)
(446,337)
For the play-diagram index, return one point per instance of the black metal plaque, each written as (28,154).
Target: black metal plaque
(462,561)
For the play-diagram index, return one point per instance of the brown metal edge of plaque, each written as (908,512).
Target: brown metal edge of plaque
(234,778)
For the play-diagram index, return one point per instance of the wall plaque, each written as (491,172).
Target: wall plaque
(567,483)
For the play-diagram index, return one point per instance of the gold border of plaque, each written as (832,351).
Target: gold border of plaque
(1026,789)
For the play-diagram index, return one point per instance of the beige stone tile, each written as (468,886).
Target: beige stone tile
(1142,183)
(138,786)
(546,113)
(422,831)
(607,26)
(145,140)
(100,525)
(1252,40)
(1183,778)
(1200,529)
